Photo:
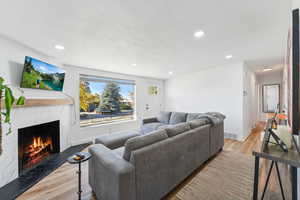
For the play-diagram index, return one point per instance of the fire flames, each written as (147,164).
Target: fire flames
(37,150)
(38,144)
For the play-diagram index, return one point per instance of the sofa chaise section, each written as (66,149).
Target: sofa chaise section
(115,140)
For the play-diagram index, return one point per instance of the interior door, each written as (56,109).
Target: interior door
(153,99)
(271,97)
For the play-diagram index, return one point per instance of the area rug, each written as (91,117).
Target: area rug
(228,176)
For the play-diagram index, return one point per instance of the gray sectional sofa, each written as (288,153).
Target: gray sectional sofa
(168,119)
(150,165)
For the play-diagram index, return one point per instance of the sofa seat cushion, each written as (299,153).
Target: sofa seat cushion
(147,128)
(177,129)
(115,140)
(163,127)
(164,117)
(198,122)
(177,117)
(119,151)
(142,141)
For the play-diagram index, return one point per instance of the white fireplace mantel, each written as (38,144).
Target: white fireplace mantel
(37,102)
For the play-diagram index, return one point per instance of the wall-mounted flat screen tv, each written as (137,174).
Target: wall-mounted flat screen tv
(41,75)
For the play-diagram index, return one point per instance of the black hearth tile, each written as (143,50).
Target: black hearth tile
(29,178)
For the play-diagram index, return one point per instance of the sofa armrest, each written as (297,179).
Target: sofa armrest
(150,120)
(216,138)
(110,176)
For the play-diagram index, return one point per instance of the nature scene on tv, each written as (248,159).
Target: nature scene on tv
(41,75)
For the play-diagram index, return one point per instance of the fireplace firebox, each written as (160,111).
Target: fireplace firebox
(36,143)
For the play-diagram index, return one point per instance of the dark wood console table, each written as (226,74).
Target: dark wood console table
(276,155)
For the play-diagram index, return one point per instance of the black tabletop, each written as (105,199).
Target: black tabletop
(86,155)
(273,152)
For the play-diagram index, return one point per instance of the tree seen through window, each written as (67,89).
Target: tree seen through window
(105,101)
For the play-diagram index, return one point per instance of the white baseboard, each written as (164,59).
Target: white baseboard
(230,136)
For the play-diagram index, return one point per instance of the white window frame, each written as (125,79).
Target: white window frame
(102,79)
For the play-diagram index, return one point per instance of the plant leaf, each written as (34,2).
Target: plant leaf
(9,101)
(21,100)
(9,129)
(1,80)
(1,83)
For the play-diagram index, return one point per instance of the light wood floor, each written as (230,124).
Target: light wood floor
(62,183)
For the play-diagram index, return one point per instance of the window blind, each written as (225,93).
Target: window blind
(105,79)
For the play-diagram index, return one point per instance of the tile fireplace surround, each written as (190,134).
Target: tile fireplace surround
(28,179)
(30,116)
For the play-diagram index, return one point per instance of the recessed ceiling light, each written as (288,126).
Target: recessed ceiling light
(267,69)
(170,72)
(59,47)
(228,56)
(199,34)
(133,64)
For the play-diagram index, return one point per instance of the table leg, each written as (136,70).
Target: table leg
(256,173)
(294,183)
(267,181)
(79,181)
(279,179)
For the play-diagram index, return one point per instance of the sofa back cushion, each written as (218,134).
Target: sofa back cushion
(177,117)
(142,141)
(178,129)
(164,117)
(198,122)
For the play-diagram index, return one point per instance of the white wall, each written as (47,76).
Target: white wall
(212,89)
(11,65)
(271,77)
(142,98)
(250,107)
(296,4)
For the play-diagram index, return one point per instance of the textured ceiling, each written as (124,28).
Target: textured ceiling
(156,35)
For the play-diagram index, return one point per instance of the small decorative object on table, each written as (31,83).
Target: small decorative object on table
(79,158)
(269,132)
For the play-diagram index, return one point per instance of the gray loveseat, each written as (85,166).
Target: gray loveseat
(149,166)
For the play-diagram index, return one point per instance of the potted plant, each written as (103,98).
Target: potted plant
(6,97)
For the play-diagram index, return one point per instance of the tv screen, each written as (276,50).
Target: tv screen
(41,75)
